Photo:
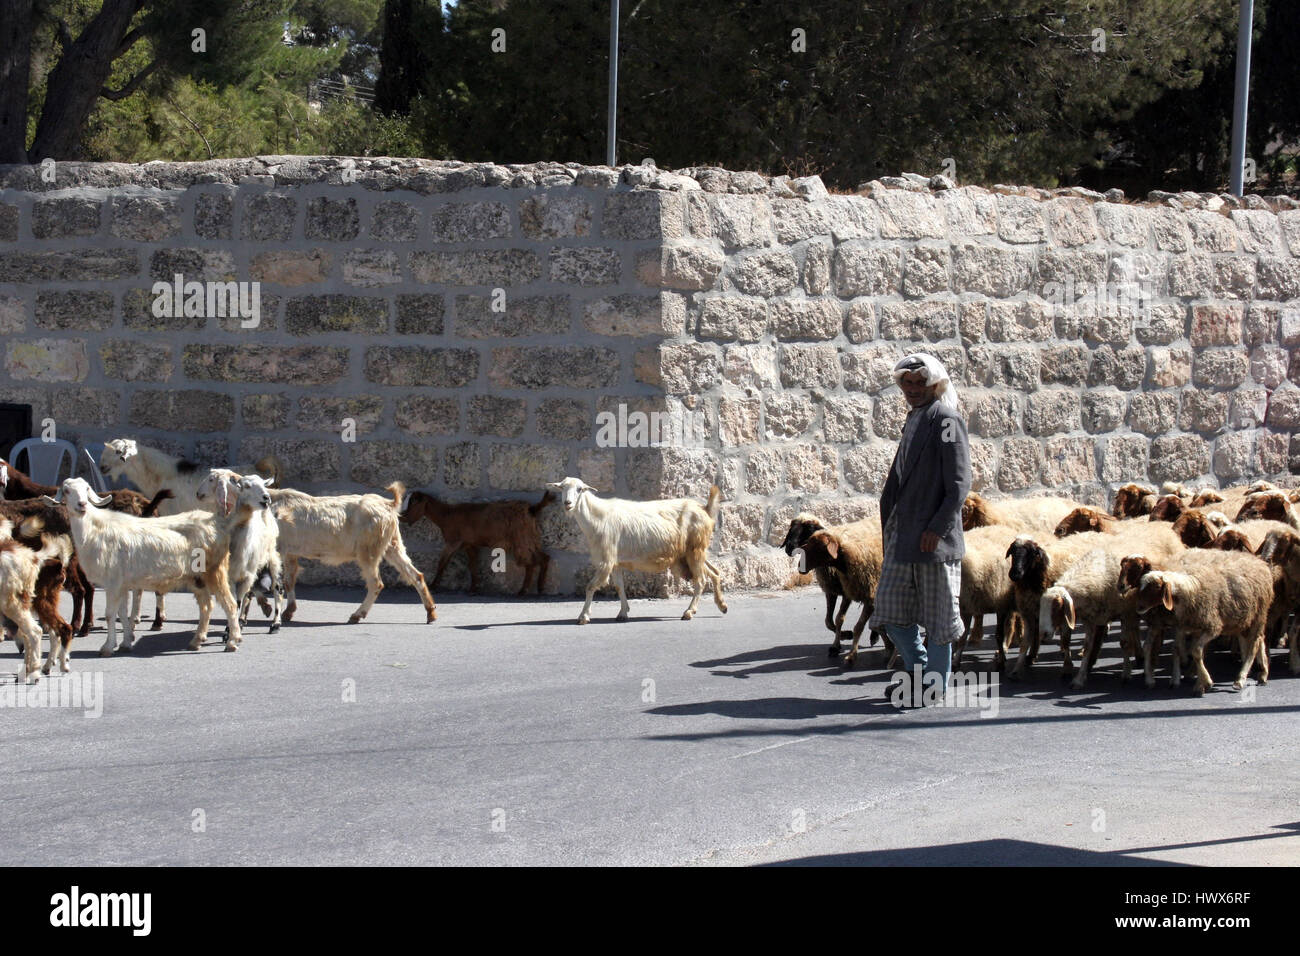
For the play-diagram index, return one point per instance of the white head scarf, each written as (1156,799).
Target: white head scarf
(935,374)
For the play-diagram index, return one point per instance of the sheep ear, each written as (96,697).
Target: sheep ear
(128,449)
(1167,596)
(553,485)
(268,482)
(586,487)
(832,547)
(1069,614)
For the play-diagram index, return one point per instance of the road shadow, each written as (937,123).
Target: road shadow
(979,853)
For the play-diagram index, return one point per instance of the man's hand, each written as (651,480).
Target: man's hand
(929,541)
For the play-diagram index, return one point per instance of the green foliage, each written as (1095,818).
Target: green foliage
(1009,90)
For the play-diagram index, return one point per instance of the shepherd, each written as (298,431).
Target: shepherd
(920,513)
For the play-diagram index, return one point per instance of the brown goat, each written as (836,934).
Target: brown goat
(511,525)
(1086,519)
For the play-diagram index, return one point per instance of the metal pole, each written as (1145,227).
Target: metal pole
(1243,94)
(613,83)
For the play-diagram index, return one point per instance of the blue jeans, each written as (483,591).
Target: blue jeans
(936,659)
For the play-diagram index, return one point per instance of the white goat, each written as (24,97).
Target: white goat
(244,502)
(345,529)
(652,536)
(151,470)
(121,553)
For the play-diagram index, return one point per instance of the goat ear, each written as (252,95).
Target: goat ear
(128,448)
(586,487)
(553,485)
(268,482)
(101,501)
(50,501)
(1167,596)
(1069,614)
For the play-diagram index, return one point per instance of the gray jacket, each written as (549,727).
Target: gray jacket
(928,489)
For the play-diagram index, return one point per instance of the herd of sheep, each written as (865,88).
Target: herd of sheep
(1041,566)
(1048,565)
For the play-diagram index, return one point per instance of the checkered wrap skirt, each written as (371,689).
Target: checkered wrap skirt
(924,594)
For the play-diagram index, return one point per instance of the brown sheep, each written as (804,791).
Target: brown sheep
(510,525)
(1133,501)
(1269,506)
(855,552)
(1030,515)
(1195,529)
(1086,519)
(1167,508)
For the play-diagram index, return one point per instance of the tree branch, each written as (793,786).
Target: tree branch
(193,125)
(131,85)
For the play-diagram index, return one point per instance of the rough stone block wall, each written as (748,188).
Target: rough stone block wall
(472,320)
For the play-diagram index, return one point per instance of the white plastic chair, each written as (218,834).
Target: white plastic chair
(91,461)
(45,459)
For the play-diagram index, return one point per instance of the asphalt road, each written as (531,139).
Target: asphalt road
(505,734)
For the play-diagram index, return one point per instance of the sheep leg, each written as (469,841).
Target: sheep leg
(1252,648)
(529,570)
(291,586)
(1203,680)
(396,556)
(851,657)
(1293,659)
(623,607)
(597,581)
(1092,641)
(968,622)
(1067,663)
(1155,635)
(831,623)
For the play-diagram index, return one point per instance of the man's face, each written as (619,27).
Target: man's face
(915,390)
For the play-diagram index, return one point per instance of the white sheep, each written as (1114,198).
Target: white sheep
(1028,515)
(1086,595)
(651,536)
(122,553)
(986,589)
(1211,593)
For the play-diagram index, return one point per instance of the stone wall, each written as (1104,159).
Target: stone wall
(469,322)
